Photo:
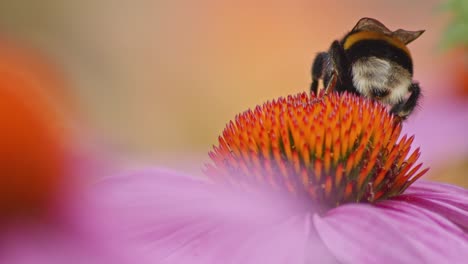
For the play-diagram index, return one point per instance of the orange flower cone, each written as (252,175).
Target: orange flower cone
(32,136)
(333,149)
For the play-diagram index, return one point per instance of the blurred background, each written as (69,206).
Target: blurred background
(155,81)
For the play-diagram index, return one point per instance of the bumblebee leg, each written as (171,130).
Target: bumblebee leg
(403,110)
(338,58)
(331,83)
(317,71)
(341,67)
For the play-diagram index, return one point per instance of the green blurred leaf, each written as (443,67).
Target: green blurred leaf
(456,32)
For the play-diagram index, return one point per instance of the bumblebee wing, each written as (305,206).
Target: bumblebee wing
(371,24)
(407,36)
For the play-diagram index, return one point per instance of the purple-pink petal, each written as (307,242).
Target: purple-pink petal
(379,234)
(423,214)
(426,187)
(360,234)
(51,244)
(160,216)
(440,142)
(446,200)
(165,217)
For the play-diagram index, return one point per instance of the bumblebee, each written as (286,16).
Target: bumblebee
(371,61)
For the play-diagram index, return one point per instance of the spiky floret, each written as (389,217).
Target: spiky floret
(333,149)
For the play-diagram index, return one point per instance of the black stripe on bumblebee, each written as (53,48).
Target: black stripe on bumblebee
(371,61)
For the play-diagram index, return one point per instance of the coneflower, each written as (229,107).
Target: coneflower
(301,179)
(39,221)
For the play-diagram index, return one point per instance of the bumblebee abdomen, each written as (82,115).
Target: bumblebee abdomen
(371,44)
(380,78)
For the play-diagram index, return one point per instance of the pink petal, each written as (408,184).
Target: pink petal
(422,213)
(425,187)
(396,234)
(51,245)
(166,217)
(440,143)
(446,200)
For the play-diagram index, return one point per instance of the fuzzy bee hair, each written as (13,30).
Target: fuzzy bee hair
(371,61)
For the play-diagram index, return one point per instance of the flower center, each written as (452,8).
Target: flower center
(333,149)
(33,137)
